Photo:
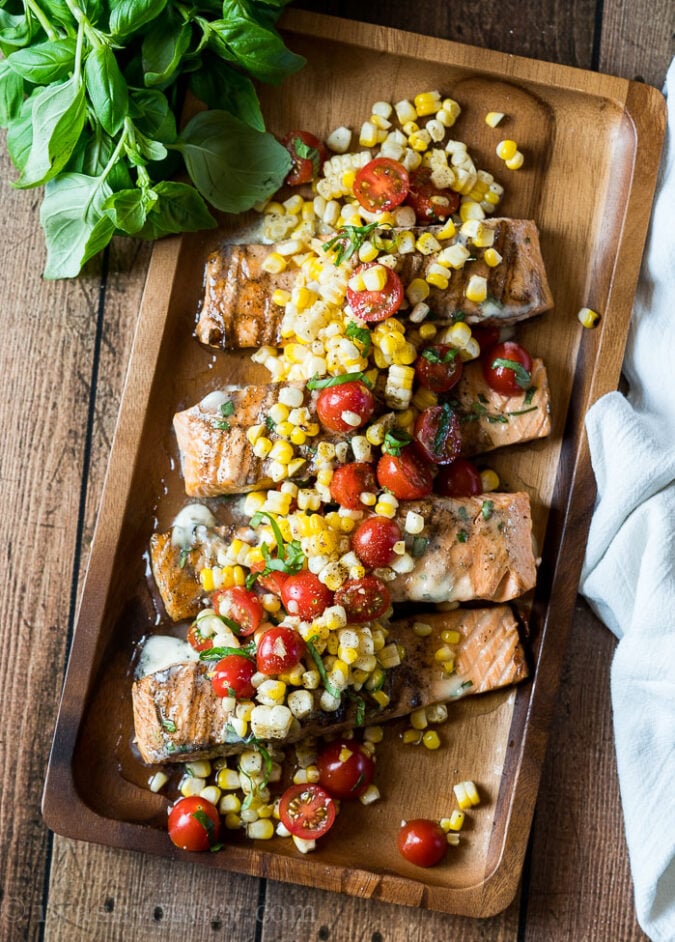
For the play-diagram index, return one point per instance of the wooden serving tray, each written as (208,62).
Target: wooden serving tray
(592,144)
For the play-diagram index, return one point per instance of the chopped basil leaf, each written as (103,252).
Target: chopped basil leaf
(305,152)
(466,685)
(434,357)
(360,711)
(349,240)
(529,395)
(458,316)
(206,823)
(362,334)
(183,557)
(419,546)
(523,411)
(226,409)
(442,430)
(522,376)
(316,657)
(216,654)
(462,512)
(462,536)
(214,848)
(316,383)
(498,419)
(231,624)
(168,725)
(270,423)
(395,441)
(486,509)
(250,579)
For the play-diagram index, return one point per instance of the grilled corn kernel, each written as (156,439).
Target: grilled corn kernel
(469,210)
(427,103)
(438,280)
(262,447)
(412,737)
(516,162)
(456,821)
(492,257)
(466,794)
(368,134)
(279,412)
(489,480)
(476,290)
(493,118)
(444,653)
(506,149)
(281,297)
(417,290)
(450,636)
(449,230)
(375,278)
(373,734)
(381,698)
(431,739)
(157,781)
(367,252)
(230,804)
(588,317)
(426,244)
(418,719)
(427,331)
(274,263)
(405,111)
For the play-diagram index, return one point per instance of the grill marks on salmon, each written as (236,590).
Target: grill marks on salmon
(237,309)
(178,717)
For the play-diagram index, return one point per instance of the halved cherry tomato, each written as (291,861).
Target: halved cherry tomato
(349,481)
(405,475)
(239,605)
(507,368)
(194,824)
(438,367)
(374,306)
(374,540)
(304,595)
(308,155)
(345,770)
(273,582)
(363,599)
(353,398)
(422,842)
(232,675)
(429,202)
(486,337)
(197,640)
(459,479)
(307,811)
(279,649)
(437,434)
(382,184)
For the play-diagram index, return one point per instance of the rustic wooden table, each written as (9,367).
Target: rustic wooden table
(64,351)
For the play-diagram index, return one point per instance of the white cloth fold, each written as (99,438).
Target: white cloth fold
(629,570)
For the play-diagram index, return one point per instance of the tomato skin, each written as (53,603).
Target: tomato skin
(438,376)
(304,169)
(307,811)
(305,595)
(422,842)
(232,677)
(486,337)
(500,378)
(373,541)
(347,397)
(405,475)
(241,605)
(197,640)
(273,582)
(349,481)
(279,649)
(186,831)
(363,599)
(375,306)
(437,435)
(461,478)
(345,778)
(381,185)
(423,196)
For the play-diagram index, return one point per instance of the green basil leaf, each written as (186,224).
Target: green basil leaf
(220,86)
(129,208)
(20,134)
(106,88)
(44,63)
(16,31)
(522,376)
(128,16)
(11,93)
(58,119)
(58,10)
(75,225)
(152,115)
(145,148)
(179,208)
(163,49)
(257,48)
(232,165)
(330,381)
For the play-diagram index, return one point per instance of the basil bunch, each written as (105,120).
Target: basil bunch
(90,91)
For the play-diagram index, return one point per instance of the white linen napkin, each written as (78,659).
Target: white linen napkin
(629,570)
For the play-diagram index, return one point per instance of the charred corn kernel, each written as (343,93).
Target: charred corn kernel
(375,278)
(417,290)
(466,794)
(437,713)
(157,781)
(516,162)
(389,656)
(484,237)
(274,263)
(381,698)
(506,149)
(232,821)
(489,480)
(455,255)
(422,629)
(588,317)
(312,429)
(412,737)
(492,257)
(230,804)
(206,579)
(431,739)
(311,679)
(281,297)
(471,210)
(476,290)
(426,244)
(427,103)
(450,636)
(437,280)
(418,719)
(493,118)
(295,466)
(262,447)
(449,230)
(444,653)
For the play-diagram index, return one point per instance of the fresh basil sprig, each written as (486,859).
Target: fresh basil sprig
(348,240)
(329,381)
(289,558)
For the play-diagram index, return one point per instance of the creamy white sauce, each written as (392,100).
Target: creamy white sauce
(213,401)
(162,651)
(187,521)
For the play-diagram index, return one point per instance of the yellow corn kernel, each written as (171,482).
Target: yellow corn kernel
(459,334)
(384,510)
(375,278)
(368,134)
(450,636)
(297,436)
(253,503)
(281,297)
(254,555)
(422,629)
(427,103)
(492,257)
(426,244)
(262,447)
(431,739)
(312,429)
(493,118)
(449,230)
(424,398)
(373,734)
(456,821)
(427,331)
(417,290)
(227,780)
(375,434)
(489,480)
(412,737)
(271,603)
(238,575)
(279,412)
(254,432)
(274,263)
(295,466)
(230,804)
(381,698)
(444,653)
(484,236)
(452,108)
(476,290)
(418,719)
(587,317)
(516,162)
(471,210)
(420,140)
(410,127)
(506,149)
(438,280)
(232,821)
(466,794)
(405,418)
(281,451)
(206,579)
(367,252)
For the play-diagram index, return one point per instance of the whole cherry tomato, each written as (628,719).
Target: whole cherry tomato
(231,677)
(279,649)
(437,434)
(307,811)
(373,306)
(438,368)
(431,204)
(349,481)
(459,479)
(374,540)
(363,599)
(345,770)
(405,475)
(194,824)
(239,605)
(305,595)
(507,368)
(345,407)
(422,842)
(308,155)
(381,185)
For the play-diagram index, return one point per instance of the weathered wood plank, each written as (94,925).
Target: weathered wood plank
(637,40)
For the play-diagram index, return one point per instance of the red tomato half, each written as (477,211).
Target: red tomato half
(438,367)
(430,204)
(232,675)
(353,400)
(279,649)
(459,479)
(307,811)
(381,185)
(349,481)
(308,155)
(373,541)
(273,582)
(507,368)
(374,306)
(405,475)
(194,824)
(304,595)
(363,599)
(345,770)
(422,842)
(197,639)
(239,605)
(437,434)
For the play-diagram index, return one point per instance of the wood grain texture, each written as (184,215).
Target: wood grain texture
(637,43)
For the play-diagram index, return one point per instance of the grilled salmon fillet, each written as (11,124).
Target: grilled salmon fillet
(178,717)
(217,457)
(237,309)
